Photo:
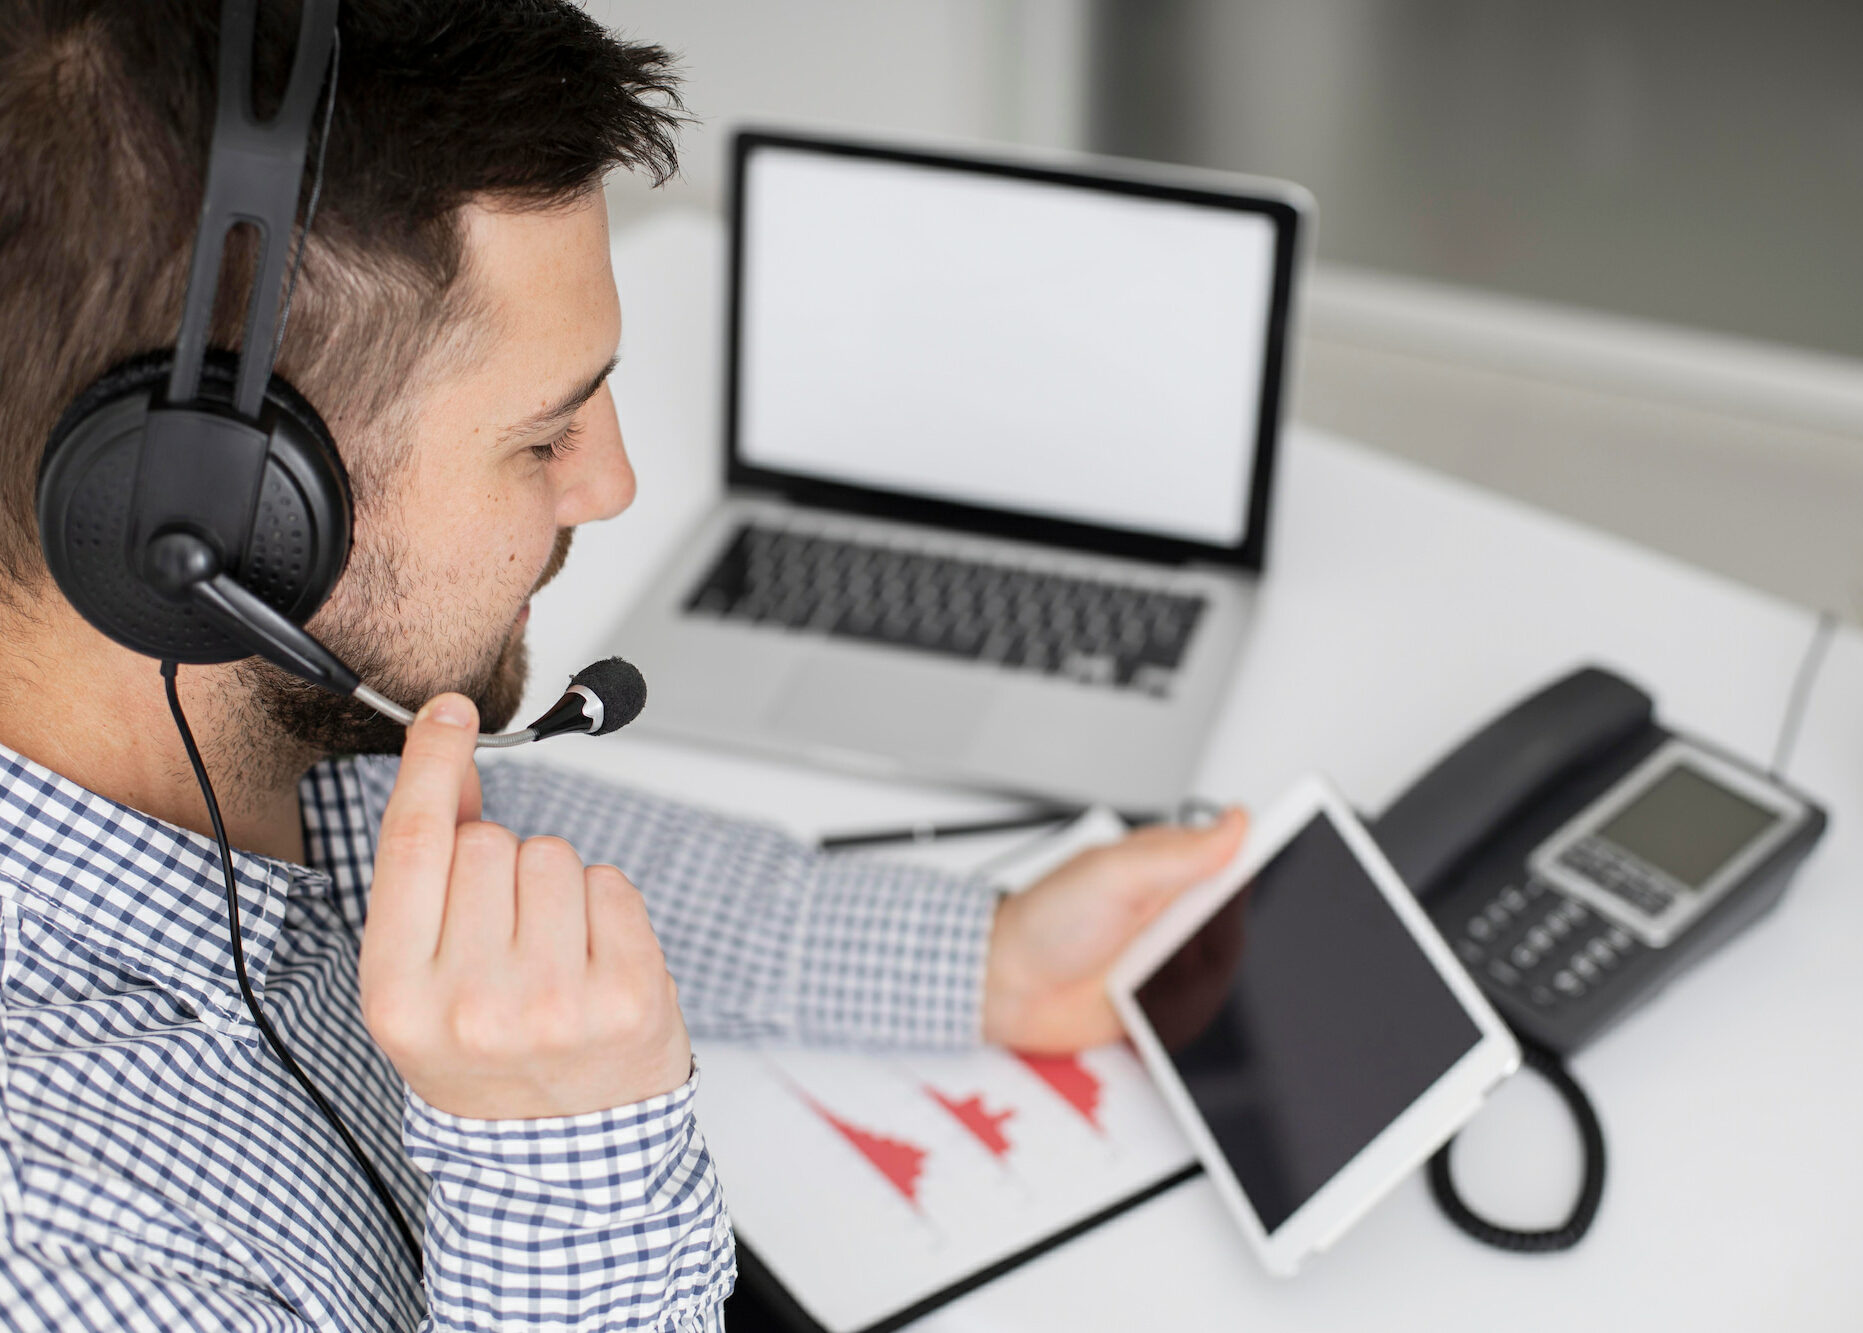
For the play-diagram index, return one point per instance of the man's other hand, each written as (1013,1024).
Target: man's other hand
(1053,944)
(505,980)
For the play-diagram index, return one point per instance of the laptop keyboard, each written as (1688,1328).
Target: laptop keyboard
(1119,635)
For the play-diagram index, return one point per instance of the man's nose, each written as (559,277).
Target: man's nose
(597,479)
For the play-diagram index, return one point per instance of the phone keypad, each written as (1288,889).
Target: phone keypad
(1532,938)
(1619,875)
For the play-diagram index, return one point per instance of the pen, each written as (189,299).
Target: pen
(920,833)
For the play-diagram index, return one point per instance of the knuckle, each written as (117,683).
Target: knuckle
(549,1018)
(415,833)
(481,1028)
(610,891)
(624,1010)
(397,1024)
(638,995)
(548,856)
(552,1020)
(608,878)
(481,838)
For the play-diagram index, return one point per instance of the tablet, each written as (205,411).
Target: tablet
(1310,1029)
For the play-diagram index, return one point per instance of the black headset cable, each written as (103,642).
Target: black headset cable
(245,987)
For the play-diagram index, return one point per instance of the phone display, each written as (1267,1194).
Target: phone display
(1302,1020)
(1686,826)
(1658,848)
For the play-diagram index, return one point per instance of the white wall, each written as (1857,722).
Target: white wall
(1003,70)
(1764,488)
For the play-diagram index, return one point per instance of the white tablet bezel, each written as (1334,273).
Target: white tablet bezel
(1408,1140)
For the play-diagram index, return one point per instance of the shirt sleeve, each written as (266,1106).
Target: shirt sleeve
(611,1220)
(767,937)
(607,1221)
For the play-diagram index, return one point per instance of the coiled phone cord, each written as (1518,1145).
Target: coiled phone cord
(259,1019)
(1591,1188)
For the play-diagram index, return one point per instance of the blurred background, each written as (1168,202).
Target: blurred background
(1601,255)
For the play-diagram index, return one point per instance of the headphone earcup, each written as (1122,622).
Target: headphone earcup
(291,557)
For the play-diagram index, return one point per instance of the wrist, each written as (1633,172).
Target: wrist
(647,1110)
(1005,983)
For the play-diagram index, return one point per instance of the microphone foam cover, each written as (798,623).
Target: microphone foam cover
(620,687)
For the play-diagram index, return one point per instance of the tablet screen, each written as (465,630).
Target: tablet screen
(1302,1019)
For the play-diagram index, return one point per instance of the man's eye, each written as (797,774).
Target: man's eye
(558,447)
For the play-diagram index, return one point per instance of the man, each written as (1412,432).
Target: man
(487,1005)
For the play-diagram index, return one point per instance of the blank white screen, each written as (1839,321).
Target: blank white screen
(1014,344)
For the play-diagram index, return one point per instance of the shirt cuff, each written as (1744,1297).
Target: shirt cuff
(893,956)
(628,1163)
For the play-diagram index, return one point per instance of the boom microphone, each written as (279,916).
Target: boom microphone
(602,697)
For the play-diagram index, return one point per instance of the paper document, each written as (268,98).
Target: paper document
(867,1183)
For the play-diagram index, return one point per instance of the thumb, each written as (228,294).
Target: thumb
(414,846)
(1162,861)
(471,798)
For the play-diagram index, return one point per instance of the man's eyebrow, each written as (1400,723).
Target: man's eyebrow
(563,409)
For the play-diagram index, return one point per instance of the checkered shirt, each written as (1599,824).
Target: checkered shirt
(159,1170)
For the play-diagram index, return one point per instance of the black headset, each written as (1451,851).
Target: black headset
(191,503)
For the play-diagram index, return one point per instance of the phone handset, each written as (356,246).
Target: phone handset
(1488,781)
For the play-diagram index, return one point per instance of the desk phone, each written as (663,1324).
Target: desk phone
(1577,856)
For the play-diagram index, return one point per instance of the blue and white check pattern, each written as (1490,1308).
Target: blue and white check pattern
(159,1170)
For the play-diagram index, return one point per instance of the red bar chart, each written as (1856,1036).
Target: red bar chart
(900,1162)
(985,1126)
(863,1179)
(1071,1081)
(897,1161)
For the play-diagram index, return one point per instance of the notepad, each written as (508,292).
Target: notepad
(874,1187)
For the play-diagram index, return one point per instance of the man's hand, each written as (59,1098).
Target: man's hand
(504,980)
(1053,943)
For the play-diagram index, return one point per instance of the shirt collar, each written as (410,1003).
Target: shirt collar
(145,894)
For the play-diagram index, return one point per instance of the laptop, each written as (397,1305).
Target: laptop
(1000,442)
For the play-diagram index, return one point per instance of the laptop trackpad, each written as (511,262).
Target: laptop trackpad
(898,709)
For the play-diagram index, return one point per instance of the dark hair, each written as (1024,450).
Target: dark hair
(106,113)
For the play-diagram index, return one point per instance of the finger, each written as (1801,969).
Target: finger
(1164,860)
(552,911)
(620,935)
(471,797)
(481,903)
(414,851)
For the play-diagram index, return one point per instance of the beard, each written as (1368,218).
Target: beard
(493,676)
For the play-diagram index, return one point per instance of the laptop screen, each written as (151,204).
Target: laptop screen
(1033,343)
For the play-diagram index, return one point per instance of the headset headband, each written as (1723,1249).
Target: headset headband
(254,174)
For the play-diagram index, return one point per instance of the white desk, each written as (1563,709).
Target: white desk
(1400,610)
